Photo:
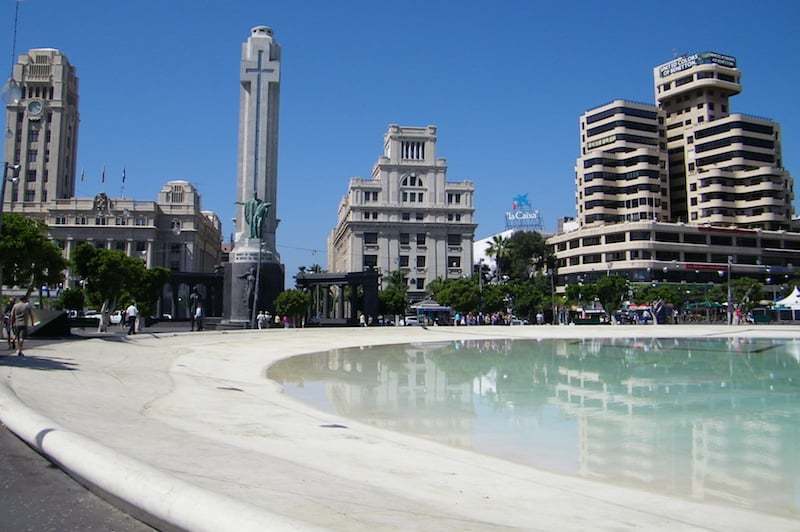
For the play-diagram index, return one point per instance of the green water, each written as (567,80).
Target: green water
(713,420)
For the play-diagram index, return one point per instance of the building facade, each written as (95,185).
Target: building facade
(42,137)
(681,190)
(42,127)
(172,232)
(407,216)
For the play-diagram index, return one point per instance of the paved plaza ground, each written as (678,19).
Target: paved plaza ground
(186,428)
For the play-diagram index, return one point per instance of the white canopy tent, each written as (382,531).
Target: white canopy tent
(792,301)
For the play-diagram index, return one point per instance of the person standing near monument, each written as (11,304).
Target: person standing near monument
(21,315)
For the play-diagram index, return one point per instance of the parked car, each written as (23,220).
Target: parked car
(411,320)
(116,317)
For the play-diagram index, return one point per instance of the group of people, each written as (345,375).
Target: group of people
(17,317)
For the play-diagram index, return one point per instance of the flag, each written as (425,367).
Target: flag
(103,175)
(83,175)
(123,174)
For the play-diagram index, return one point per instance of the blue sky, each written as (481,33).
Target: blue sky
(504,81)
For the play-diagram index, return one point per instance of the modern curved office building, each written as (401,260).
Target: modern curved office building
(678,190)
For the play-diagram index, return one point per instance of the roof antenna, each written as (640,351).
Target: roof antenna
(11,91)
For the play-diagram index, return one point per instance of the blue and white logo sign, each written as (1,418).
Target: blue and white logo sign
(522,215)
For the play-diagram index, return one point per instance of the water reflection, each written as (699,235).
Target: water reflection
(715,419)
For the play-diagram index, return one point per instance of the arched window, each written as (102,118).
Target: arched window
(412,180)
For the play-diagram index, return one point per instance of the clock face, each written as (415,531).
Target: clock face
(35,107)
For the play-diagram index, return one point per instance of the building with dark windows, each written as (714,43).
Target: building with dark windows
(407,216)
(678,190)
(42,127)
(42,138)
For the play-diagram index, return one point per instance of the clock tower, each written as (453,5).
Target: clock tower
(42,128)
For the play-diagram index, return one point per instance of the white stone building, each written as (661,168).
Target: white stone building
(42,136)
(407,216)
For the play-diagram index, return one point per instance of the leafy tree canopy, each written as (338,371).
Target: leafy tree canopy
(293,303)
(28,258)
(393,297)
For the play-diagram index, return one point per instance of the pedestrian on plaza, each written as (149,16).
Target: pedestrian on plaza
(194,302)
(7,323)
(262,320)
(21,315)
(198,316)
(539,318)
(362,320)
(130,317)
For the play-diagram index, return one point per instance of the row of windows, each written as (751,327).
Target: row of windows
(751,155)
(371,239)
(687,238)
(99,220)
(641,113)
(453,197)
(743,196)
(627,124)
(618,218)
(700,75)
(420,261)
(38,91)
(370,195)
(645,187)
(649,159)
(412,197)
(626,176)
(624,204)
(747,141)
(746,126)
(757,211)
(735,182)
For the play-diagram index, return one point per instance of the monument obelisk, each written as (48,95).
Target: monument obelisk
(255,275)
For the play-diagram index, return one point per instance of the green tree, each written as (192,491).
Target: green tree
(529,298)
(527,253)
(461,294)
(499,249)
(494,298)
(292,303)
(747,292)
(611,290)
(112,277)
(393,297)
(27,257)
(579,293)
(72,299)
(147,286)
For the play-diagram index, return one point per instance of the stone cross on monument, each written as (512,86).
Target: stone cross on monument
(255,275)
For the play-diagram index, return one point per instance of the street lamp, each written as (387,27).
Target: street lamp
(730,292)
(14,178)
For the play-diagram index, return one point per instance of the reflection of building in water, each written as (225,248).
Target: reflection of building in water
(401,389)
(705,422)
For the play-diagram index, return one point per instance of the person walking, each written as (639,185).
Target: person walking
(130,317)
(194,302)
(7,323)
(21,314)
(198,316)
(262,320)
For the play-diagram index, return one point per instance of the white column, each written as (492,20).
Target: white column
(109,241)
(68,254)
(149,255)
(129,248)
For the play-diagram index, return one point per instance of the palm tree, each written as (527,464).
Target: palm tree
(498,248)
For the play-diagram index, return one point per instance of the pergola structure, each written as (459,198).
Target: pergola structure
(337,299)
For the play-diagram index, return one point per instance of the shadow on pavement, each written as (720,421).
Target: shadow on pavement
(36,363)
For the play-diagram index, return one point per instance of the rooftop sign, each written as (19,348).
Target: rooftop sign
(522,215)
(689,60)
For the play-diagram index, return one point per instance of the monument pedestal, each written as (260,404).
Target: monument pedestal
(240,282)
